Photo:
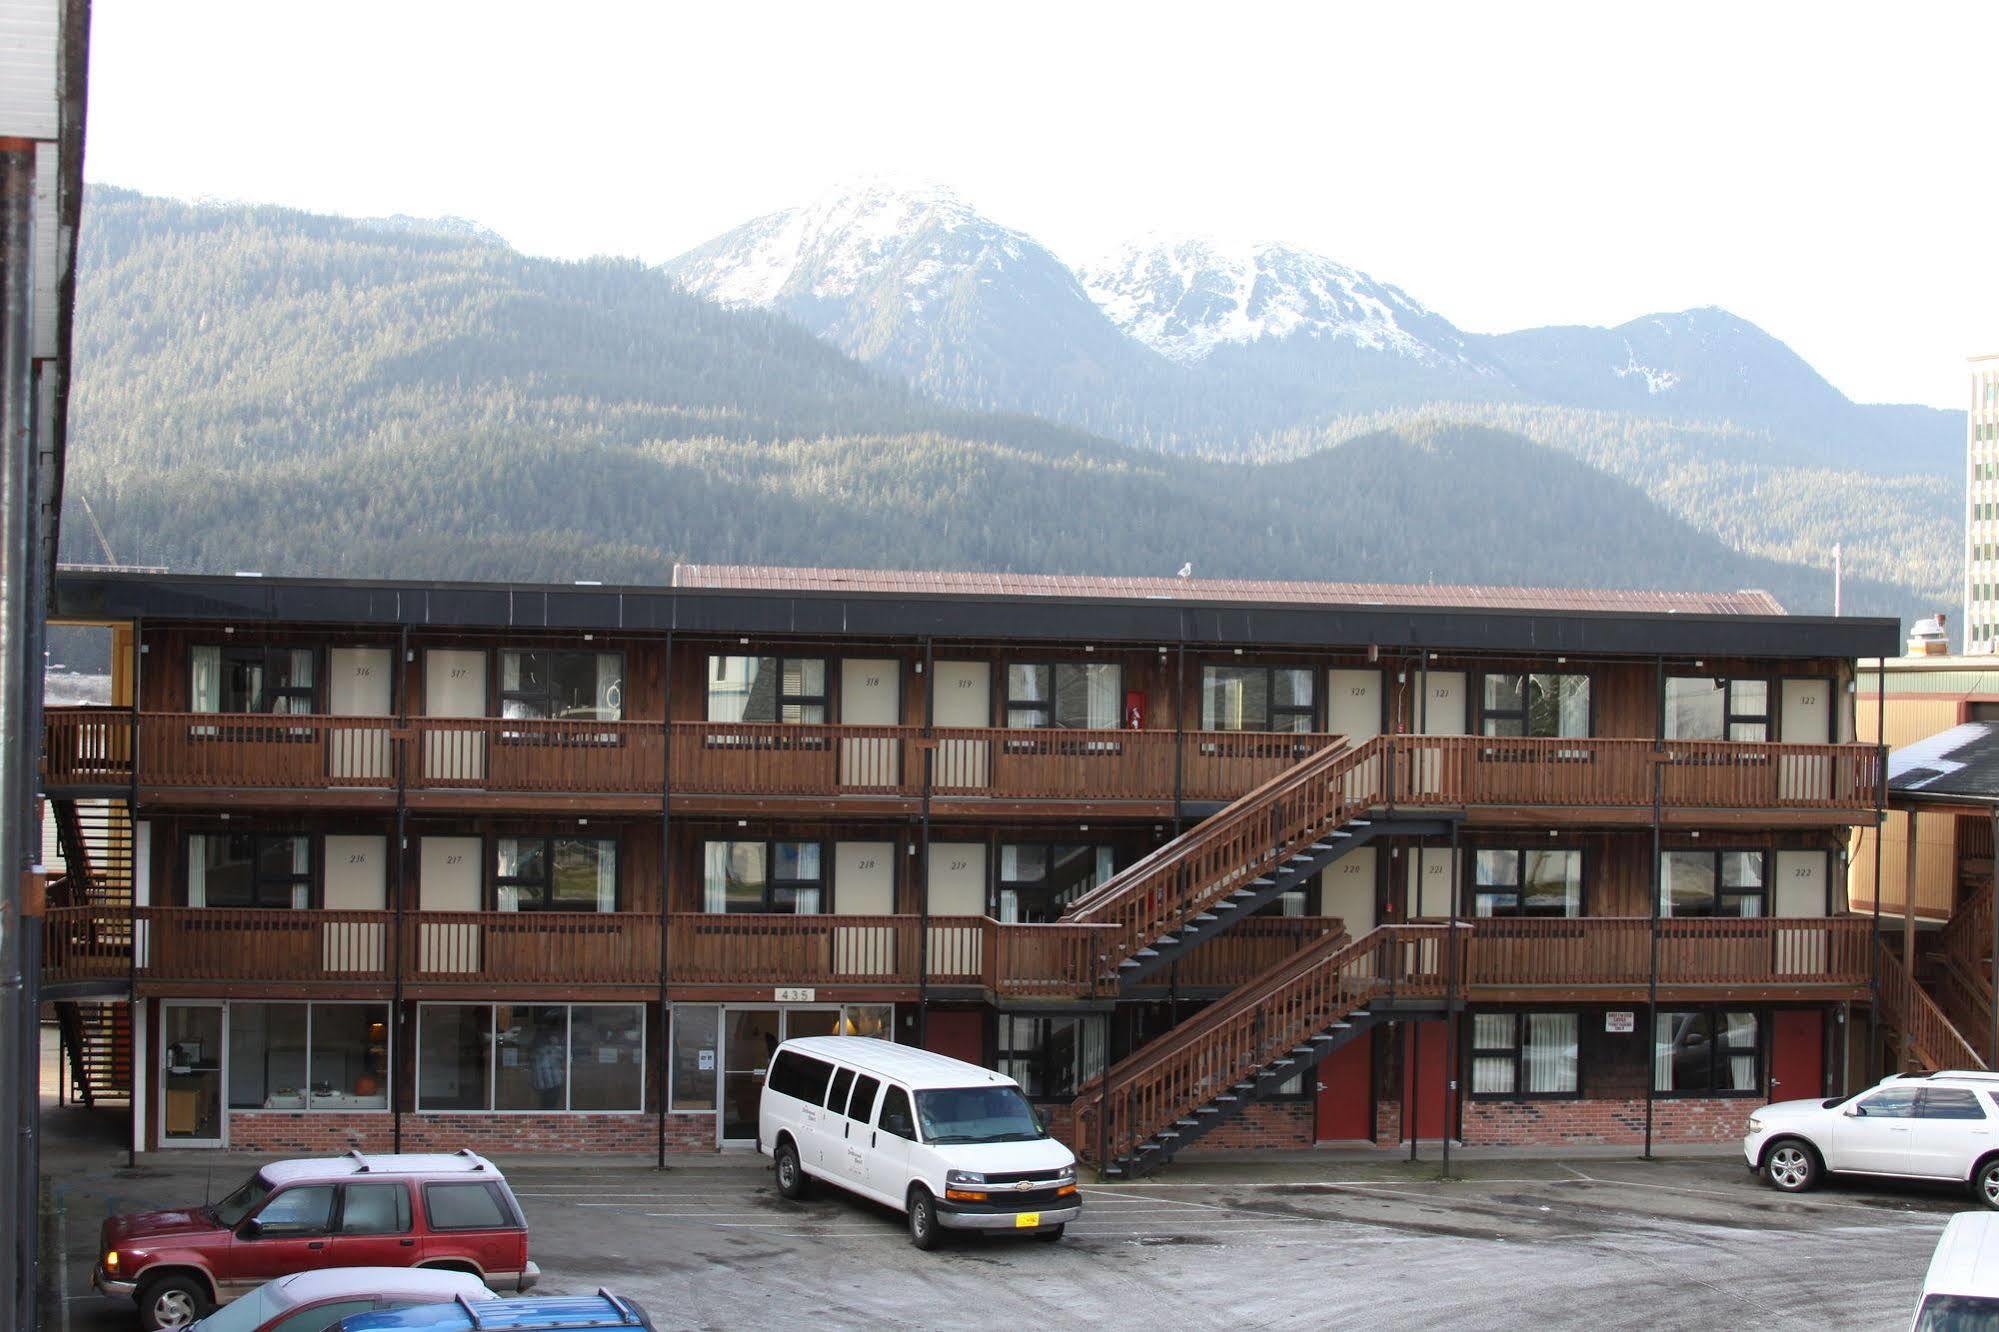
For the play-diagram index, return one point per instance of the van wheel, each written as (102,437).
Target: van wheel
(172,1302)
(1050,1235)
(1791,1166)
(792,1181)
(924,1232)
(1985,1184)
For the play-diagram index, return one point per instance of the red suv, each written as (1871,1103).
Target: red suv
(446,1211)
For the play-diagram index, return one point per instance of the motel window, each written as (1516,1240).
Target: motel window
(1036,880)
(767,689)
(308,1056)
(1073,695)
(1708,1052)
(555,874)
(1051,1057)
(532,1057)
(1712,883)
(1524,1054)
(241,869)
(252,679)
(583,686)
(1256,698)
(1536,881)
(1535,705)
(781,878)
(1700,708)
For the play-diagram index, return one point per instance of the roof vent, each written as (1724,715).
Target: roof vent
(1927,637)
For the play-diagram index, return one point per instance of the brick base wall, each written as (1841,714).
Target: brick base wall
(331,1134)
(1263,1124)
(1619,1122)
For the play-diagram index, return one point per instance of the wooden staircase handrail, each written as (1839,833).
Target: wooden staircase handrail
(1967,935)
(1909,1008)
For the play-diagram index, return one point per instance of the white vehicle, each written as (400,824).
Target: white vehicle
(1928,1126)
(314,1301)
(953,1145)
(1961,1290)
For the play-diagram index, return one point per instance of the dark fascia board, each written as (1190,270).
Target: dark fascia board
(100,595)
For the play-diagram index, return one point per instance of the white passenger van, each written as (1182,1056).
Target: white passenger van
(1961,1290)
(953,1145)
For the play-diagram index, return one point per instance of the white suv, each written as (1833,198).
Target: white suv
(1928,1126)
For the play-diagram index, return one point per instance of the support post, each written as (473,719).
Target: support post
(1651,1041)
(1908,931)
(660,1088)
(1451,1016)
(1179,738)
(399,854)
(20,1065)
(1989,975)
(1874,1051)
(1413,1082)
(928,749)
(132,933)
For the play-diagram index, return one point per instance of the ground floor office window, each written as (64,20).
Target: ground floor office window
(308,1056)
(1524,1054)
(502,1057)
(1704,1052)
(1051,1057)
(1712,883)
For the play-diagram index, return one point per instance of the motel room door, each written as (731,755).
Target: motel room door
(454,685)
(1797,1054)
(871,695)
(964,699)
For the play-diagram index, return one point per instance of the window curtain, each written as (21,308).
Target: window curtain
(1662,1050)
(610,689)
(1740,1030)
(507,864)
(715,879)
(607,876)
(197,869)
(206,692)
(1103,697)
(300,678)
(1551,1052)
(302,867)
(1492,1074)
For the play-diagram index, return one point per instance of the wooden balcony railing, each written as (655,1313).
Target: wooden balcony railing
(514,754)
(532,947)
(1054,763)
(265,750)
(767,759)
(1617,950)
(249,944)
(746,949)
(1221,765)
(84,943)
(1926,1037)
(87,746)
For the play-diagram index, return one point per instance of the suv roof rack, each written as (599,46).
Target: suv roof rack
(624,1308)
(471,1310)
(361,1166)
(478,1162)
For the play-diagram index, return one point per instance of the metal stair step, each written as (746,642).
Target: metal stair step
(1167,1133)
(1207,1110)
(1281,1063)
(1185,1123)
(1225,906)
(1263,882)
(1360,823)
(1228,1098)
(1146,952)
(1204,917)
(1127,963)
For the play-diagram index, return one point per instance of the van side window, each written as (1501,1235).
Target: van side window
(895,1117)
(836,1094)
(799,1075)
(863,1106)
(467,1207)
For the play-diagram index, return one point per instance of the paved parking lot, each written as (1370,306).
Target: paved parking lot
(1684,1243)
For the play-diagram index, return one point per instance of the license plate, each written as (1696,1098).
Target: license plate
(1026,1220)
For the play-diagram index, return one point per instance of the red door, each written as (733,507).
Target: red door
(1797,1054)
(1345,1110)
(959,1035)
(1423,1065)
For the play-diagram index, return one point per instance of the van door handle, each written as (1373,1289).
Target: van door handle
(846,1130)
(409,1244)
(317,1244)
(871,1139)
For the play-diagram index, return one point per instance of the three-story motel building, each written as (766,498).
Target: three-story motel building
(1238,864)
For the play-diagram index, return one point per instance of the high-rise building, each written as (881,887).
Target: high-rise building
(1981,507)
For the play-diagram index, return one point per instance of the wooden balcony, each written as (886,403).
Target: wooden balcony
(733,765)
(1768,955)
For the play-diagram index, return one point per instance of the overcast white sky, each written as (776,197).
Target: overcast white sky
(1828,171)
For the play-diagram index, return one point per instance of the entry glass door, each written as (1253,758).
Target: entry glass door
(191,1075)
(749,1037)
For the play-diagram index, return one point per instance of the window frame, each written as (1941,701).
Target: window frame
(502,696)
(314,878)
(493,1057)
(511,1216)
(1716,1015)
(1765,891)
(1730,716)
(1309,712)
(405,1208)
(1001,885)
(1036,1059)
(823,700)
(772,883)
(265,654)
(496,882)
(1047,706)
(1517,1053)
(305,1106)
(1473,889)
(1485,714)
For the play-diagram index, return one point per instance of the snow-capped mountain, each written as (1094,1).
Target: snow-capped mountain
(912,279)
(1188,296)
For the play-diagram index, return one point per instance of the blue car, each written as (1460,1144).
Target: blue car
(549,1313)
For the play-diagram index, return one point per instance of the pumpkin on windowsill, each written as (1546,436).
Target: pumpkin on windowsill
(366,1085)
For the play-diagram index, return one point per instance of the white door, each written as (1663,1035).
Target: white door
(964,698)
(1806,719)
(871,695)
(1800,890)
(1440,707)
(957,887)
(1353,709)
(358,684)
(449,879)
(1346,890)
(864,885)
(454,685)
(356,880)
(1431,876)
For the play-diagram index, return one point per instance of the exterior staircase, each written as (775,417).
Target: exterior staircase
(97,1050)
(1170,1094)
(89,927)
(1922,1035)
(1267,842)
(1961,969)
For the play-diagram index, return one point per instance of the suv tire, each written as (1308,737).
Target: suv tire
(924,1232)
(1791,1166)
(1985,1183)
(792,1181)
(1050,1235)
(172,1301)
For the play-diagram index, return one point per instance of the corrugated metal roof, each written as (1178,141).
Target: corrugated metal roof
(749,577)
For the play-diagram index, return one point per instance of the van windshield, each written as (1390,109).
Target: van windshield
(242,1202)
(1958,1313)
(977,1114)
